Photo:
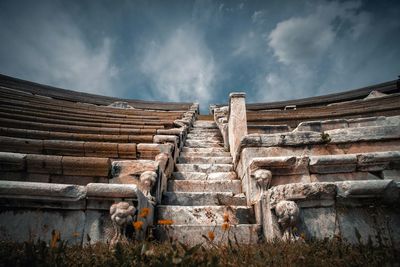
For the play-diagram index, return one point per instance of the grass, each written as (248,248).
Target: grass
(315,253)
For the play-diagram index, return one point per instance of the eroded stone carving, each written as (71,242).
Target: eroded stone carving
(121,215)
(287,213)
(263,179)
(147,181)
(221,119)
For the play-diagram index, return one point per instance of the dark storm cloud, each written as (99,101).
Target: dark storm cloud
(201,50)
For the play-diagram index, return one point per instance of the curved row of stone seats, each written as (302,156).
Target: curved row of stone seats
(137,136)
(367,152)
(68,148)
(37,118)
(80,109)
(81,214)
(142,120)
(55,169)
(62,94)
(54,107)
(96,165)
(20,124)
(83,149)
(324,125)
(383,106)
(390,87)
(13,100)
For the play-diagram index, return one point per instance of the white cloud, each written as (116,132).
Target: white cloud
(53,50)
(337,46)
(304,40)
(181,68)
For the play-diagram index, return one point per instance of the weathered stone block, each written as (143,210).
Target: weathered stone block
(44,164)
(333,163)
(127,151)
(86,166)
(318,223)
(39,223)
(378,161)
(12,161)
(101,149)
(205,215)
(64,148)
(233,186)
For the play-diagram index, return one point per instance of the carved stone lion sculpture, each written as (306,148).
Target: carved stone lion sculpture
(288,214)
(121,215)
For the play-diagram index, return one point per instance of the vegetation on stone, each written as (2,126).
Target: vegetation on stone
(316,253)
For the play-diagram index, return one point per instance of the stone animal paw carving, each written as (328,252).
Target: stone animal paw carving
(288,215)
(121,215)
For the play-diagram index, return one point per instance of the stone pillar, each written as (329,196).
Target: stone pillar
(237,125)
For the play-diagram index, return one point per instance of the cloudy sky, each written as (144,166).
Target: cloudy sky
(201,50)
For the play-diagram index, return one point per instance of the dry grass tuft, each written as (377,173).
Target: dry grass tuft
(315,253)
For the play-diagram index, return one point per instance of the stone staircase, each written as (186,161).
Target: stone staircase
(203,190)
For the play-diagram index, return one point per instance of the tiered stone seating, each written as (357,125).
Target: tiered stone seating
(287,115)
(324,167)
(54,135)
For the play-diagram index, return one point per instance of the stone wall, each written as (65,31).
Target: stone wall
(356,211)
(81,214)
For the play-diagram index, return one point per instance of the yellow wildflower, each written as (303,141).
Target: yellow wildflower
(55,237)
(144,213)
(225,226)
(211,235)
(165,222)
(138,225)
(226,217)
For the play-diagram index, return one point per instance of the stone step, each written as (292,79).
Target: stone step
(205,139)
(203,149)
(204,176)
(204,130)
(201,135)
(205,215)
(205,154)
(202,124)
(203,198)
(203,144)
(193,234)
(206,168)
(234,186)
(206,160)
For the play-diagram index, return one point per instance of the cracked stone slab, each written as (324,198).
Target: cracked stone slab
(205,154)
(205,160)
(203,149)
(204,176)
(194,144)
(203,198)
(205,139)
(204,135)
(206,168)
(205,214)
(234,186)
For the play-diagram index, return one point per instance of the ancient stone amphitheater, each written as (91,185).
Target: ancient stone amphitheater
(91,168)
